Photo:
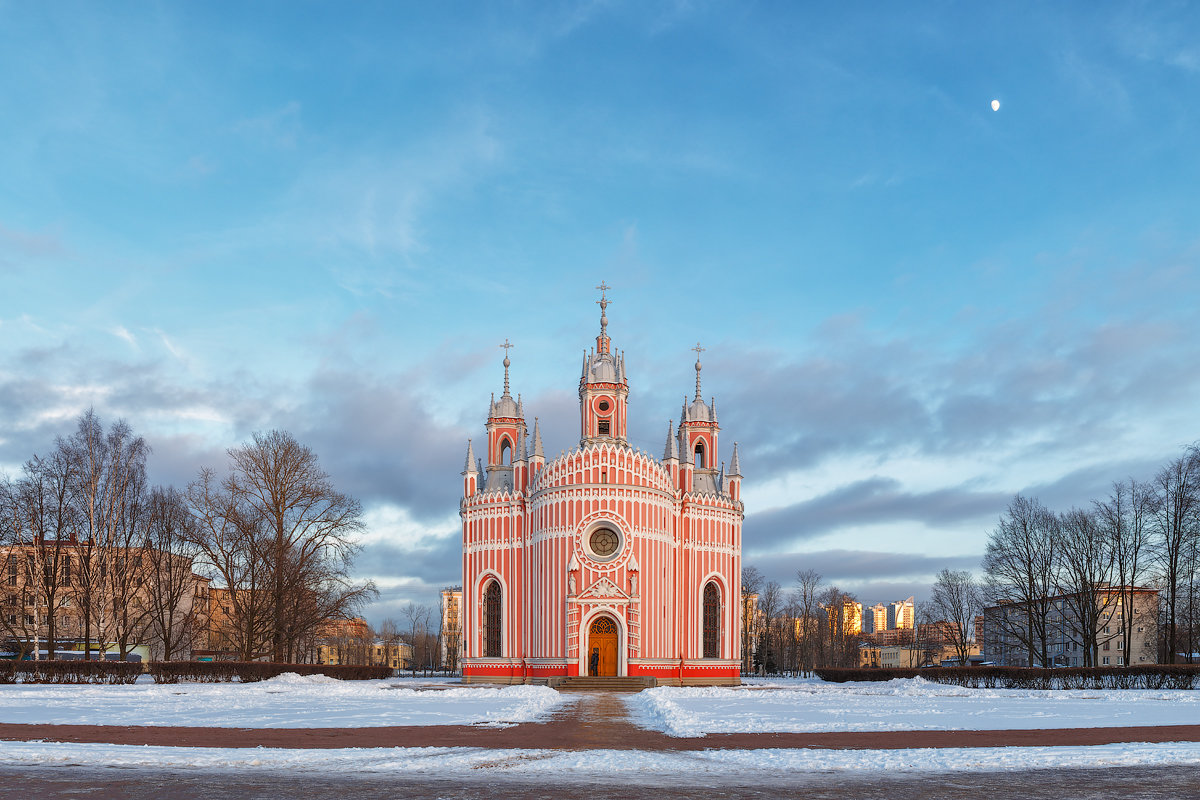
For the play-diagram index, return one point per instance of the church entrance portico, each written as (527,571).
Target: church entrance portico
(603,640)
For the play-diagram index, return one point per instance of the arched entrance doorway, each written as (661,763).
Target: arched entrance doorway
(602,647)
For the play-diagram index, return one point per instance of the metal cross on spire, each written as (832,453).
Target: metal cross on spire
(603,301)
(507,346)
(697,350)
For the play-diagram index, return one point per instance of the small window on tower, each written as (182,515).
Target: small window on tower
(604,427)
(699,455)
(505,452)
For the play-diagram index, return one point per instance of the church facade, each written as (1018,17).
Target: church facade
(604,560)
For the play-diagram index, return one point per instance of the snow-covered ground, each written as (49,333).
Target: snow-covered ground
(802,706)
(584,764)
(288,701)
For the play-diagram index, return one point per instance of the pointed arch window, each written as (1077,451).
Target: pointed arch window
(699,460)
(505,451)
(492,620)
(712,620)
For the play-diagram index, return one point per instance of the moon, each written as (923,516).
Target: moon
(995,105)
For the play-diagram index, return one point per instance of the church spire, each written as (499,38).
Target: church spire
(698,349)
(671,450)
(470,465)
(537,439)
(508,345)
(735,467)
(602,340)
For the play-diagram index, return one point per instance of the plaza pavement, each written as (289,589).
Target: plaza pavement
(595,722)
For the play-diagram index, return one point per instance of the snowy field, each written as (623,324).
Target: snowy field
(912,704)
(288,701)
(587,764)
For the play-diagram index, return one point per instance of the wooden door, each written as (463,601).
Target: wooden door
(602,647)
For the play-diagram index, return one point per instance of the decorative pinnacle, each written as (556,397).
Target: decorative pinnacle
(603,302)
(698,350)
(507,346)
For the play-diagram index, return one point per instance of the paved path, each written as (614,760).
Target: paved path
(1127,783)
(593,721)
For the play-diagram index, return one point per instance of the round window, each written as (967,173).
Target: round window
(603,405)
(604,542)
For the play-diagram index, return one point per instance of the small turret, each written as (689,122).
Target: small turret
(538,459)
(735,476)
(735,467)
(538,451)
(671,450)
(470,473)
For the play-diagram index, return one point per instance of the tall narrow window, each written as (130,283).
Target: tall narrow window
(505,452)
(712,620)
(491,620)
(699,455)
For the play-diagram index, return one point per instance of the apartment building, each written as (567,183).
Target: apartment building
(1005,637)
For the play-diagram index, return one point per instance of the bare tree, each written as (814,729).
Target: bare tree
(37,525)
(1177,509)
(1019,565)
(1084,577)
(770,602)
(751,583)
(234,546)
(389,637)
(808,587)
(957,600)
(108,470)
(19,626)
(124,568)
(839,643)
(311,525)
(177,609)
(929,636)
(1125,520)
(418,624)
(449,634)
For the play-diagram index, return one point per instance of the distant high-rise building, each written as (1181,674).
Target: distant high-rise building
(451,627)
(877,618)
(901,614)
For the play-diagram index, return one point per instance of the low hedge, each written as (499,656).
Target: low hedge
(70,671)
(1158,676)
(251,671)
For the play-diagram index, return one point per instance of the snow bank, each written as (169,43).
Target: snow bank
(286,701)
(585,764)
(811,705)
(293,679)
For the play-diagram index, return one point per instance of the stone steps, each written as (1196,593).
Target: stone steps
(602,684)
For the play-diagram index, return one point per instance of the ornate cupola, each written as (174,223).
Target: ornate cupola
(603,388)
(506,435)
(698,430)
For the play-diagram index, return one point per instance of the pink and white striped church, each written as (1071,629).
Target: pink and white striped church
(604,561)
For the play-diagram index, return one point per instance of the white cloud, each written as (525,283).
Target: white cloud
(121,332)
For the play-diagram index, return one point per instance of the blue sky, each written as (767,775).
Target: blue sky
(221,218)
